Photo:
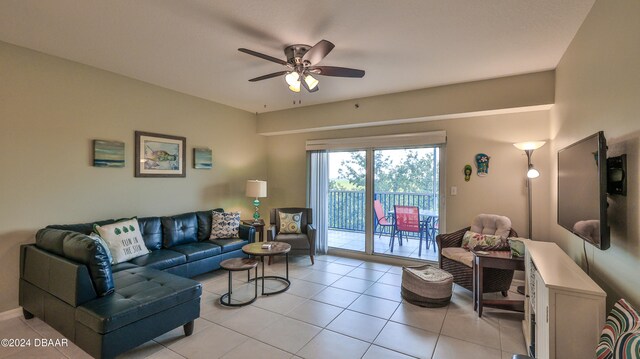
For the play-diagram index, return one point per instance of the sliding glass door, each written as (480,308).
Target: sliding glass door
(408,178)
(356,186)
(346,200)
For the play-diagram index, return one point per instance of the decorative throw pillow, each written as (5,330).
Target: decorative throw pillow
(621,333)
(123,239)
(225,225)
(99,239)
(471,240)
(290,222)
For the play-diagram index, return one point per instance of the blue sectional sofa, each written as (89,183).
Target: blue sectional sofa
(67,281)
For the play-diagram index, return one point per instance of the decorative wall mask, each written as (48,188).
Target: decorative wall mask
(467,172)
(482,163)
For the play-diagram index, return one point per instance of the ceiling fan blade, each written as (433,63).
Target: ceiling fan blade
(264,77)
(263,56)
(318,52)
(336,71)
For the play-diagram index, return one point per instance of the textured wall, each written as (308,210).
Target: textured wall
(51,110)
(597,89)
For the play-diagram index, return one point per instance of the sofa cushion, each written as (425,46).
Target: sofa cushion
(124,240)
(179,229)
(225,225)
(229,244)
(473,240)
(141,292)
(197,251)
(297,241)
(160,259)
(204,223)
(104,244)
(458,254)
(151,229)
(122,266)
(83,249)
(491,224)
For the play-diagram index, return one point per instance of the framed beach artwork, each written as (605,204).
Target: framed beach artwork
(108,153)
(160,155)
(202,158)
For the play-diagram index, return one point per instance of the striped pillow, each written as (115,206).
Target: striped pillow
(620,336)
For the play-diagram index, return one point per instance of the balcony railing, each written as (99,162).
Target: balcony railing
(347,208)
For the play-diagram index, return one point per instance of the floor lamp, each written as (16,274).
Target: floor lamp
(532,172)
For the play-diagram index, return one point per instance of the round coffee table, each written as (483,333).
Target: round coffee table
(277,248)
(236,265)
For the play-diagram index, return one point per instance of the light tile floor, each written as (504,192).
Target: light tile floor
(337,308)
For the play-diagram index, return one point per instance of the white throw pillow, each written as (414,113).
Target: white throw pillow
(225,225)
(124,240)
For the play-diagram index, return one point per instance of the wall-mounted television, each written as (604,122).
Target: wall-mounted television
(582,190)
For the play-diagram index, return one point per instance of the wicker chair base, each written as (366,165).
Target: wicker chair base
(424,301)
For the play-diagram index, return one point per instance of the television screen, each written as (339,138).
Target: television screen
(582,196)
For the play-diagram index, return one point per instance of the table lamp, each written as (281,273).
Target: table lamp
(256,189)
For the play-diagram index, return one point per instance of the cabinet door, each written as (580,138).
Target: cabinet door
(542,319)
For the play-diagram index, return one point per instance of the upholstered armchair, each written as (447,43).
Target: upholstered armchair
(301,243)
(458,261)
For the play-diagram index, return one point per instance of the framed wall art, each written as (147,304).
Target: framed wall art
(202,158)
(160,155)
(108,153)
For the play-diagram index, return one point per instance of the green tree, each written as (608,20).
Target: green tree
(415,173)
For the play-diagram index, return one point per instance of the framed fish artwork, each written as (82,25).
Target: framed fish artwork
(160,155)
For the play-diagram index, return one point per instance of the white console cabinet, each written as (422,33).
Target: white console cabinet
(564,308)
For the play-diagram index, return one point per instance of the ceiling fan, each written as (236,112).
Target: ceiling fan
(301,62)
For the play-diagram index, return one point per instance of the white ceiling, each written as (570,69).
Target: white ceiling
(191,45)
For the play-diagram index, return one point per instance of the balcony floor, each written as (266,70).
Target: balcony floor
(355,241)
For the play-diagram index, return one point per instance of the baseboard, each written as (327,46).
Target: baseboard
(12,313)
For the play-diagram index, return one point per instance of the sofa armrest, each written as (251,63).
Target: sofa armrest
(271,233)
(247,233)
(311,234)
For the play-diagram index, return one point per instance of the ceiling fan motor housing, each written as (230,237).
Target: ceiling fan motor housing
(295,53)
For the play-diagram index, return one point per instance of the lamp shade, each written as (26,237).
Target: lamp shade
(256,188)
(531,145)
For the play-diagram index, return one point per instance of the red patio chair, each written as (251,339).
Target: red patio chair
(407,219)
(383,221)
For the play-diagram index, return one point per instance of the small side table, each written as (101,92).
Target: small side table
(259,226)
(499,260)
(235,265)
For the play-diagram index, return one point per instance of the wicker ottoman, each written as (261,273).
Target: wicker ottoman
(426,286)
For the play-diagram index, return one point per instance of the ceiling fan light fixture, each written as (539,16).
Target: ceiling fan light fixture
(293,80)
(311,81)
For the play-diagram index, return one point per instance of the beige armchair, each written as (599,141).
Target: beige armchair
(303,243)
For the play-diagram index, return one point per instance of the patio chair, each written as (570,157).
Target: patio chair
(383,221)
(407,219)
